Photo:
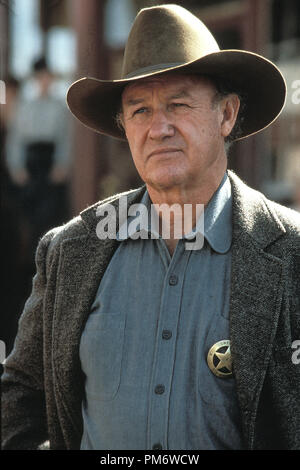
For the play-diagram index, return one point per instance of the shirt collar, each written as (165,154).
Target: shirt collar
(217,220)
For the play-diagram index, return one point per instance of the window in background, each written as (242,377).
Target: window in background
(25,36)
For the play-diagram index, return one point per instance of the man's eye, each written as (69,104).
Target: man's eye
(178,105)
(139,111)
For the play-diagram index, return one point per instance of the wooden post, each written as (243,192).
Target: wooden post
(253,160)
(88,149)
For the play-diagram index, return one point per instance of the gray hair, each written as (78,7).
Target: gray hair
(224,88)
(119,118)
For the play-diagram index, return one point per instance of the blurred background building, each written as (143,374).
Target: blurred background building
(87,38)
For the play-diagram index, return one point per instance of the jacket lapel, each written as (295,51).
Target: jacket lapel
(256,292)
(83,261)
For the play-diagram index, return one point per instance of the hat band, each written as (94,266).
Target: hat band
(152,68)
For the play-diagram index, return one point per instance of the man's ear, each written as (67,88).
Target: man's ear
(230,106)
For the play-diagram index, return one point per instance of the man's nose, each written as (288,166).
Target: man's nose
(160,126)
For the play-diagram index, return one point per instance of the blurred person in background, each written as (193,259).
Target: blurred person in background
(38,155)
(43,120)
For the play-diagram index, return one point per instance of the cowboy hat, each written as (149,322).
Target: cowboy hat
(168,38)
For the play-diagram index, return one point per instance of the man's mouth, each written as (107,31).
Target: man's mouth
(164,150)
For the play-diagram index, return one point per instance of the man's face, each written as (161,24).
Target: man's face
(173,129)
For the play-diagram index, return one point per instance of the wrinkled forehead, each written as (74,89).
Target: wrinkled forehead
(170,83)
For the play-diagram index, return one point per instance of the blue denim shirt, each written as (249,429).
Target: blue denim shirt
(145,344)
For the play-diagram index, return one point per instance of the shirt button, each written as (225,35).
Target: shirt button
(159,389)
(167,334)
(157,447)
(173,280)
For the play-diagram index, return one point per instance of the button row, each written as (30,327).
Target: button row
(166,334)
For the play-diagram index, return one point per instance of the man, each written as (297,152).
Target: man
(38,160)
(35,123)
(136,341)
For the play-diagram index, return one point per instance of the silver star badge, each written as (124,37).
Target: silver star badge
(219,359)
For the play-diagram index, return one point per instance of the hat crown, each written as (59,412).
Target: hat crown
(165,36)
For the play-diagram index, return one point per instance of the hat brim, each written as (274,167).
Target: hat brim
(96,102)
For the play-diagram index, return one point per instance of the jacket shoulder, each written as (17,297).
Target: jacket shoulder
(83,224)
(289,218)
(262,215)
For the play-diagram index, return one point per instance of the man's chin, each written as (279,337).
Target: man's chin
(166,182)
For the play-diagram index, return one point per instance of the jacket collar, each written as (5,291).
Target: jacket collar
(92,215)
(252,214)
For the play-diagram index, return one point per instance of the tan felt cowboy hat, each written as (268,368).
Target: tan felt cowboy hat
(169,38)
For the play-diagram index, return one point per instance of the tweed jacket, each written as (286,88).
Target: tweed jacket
(43,385)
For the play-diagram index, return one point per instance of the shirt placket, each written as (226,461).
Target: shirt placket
(165,348)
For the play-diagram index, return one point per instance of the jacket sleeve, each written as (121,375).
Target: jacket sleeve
(24,423)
